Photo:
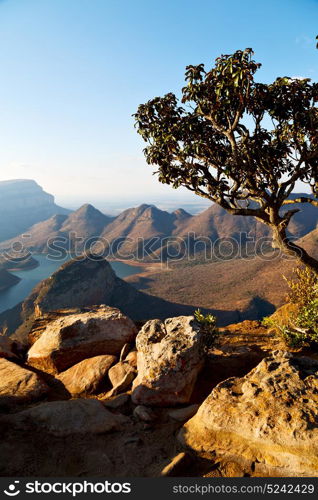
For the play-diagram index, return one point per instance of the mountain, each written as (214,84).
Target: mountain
(86,222)
(306,220)
(148,233)
(215,222)
(61,231)
(22,204)
(144,225)
(83,282)
(233,290)
(248,288)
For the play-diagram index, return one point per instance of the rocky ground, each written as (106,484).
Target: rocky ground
(93,394)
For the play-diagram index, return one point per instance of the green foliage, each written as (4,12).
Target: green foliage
(302,326)
(302,287)
(208,326)
(207,320)
(203,143)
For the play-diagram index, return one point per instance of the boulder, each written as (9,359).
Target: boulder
(9,349)
(87,376)
(121,376)
(183,414)
(72,338)
(116,401)
(131,358)
(145,414)
(18,385)
(65,418)
(266,421)
(170,356)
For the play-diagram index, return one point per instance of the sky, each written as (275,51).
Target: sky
(74,71)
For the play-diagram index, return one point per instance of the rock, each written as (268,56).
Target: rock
(121,376)
(86,377)
(183,414)
(9,348)
(82,282)
(18,385)
(170,356)
(116,401)
(178,465)
(265,420)
(131,358)
(69,340)
(145,414)
(64,418)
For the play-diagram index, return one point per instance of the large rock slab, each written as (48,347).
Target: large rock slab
(121,376)
(170,356)
(65,418)
(87,376)
(18,385)
(266,421)
(72,338)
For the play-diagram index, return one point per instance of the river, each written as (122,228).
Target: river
(31,277)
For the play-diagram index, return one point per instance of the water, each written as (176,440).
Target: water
(31,277)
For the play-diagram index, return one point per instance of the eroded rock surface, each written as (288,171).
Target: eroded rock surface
(18,385)
(64,418)
(70,339)
(170,356)
(87,376)
(267,420)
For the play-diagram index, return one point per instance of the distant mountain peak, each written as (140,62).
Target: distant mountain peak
(181,213)
(88,209)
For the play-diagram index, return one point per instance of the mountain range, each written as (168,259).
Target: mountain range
(149,233)
(236,289)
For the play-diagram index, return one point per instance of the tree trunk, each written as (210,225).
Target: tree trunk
(290,248)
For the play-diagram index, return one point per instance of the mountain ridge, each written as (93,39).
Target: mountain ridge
(127,234)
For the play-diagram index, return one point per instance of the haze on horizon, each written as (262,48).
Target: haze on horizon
(74,72)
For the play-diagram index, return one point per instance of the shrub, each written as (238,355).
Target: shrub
(301,327)
(208,325)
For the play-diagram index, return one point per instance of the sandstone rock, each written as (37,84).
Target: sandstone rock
(145,414)
(64,418)
(131,358)
(170,356)
(266,419)
(86,377)
(116,401)
(69,340)
(18,385)
(183,414)
(121,376)
(9,348)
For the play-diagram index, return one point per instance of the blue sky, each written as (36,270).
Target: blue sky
(73,72)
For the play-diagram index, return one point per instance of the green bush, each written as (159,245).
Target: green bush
(302,326)
(208,325)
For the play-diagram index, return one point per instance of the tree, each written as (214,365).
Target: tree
(239,143)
